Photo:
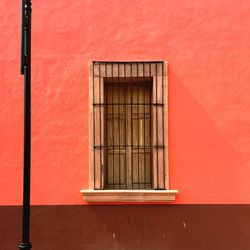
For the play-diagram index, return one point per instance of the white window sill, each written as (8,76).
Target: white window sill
(129,195)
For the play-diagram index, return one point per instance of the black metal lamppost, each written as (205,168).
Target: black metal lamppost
(26,71)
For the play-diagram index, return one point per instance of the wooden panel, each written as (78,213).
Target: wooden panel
(116,169)
(158,96)
(141,168)
(158,129)
(97,155)
(129,142)
(99,168)
(165,112)
(91,150)
(128,127)
(115,138)
(141,136)
(158,165)
(158,134)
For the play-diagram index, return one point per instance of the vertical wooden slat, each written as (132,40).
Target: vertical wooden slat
(151,127)
(109,136)
(160,91)
(125,134)
(102,131)
(158,171)
(131,127)
(140,135)
(119,123)
(134,70)
(147,72)
(95,96)
(98,128)
(122,70)
(161,73)
(158,130)
(116,136)
(128,68)
(158,138)
(113,139)
(91,121)
(152,69)
(165,96)
(140,70)
(129,133)
(115,71)
(138,124)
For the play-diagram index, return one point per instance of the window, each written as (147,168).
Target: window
(128,132)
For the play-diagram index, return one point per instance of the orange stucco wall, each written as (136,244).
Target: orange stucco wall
(207,45)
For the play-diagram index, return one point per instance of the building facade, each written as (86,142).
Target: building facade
(204,47)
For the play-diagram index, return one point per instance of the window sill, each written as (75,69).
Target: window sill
(129,195)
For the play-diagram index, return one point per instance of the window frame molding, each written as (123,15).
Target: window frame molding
(100,194)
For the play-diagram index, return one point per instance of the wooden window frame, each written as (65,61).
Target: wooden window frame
(97,72)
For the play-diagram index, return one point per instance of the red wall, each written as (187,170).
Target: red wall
(207,46)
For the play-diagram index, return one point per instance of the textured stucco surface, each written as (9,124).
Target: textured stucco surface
(149,227)
(207,46)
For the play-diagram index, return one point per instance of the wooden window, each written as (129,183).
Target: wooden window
(128,134)
(128,128)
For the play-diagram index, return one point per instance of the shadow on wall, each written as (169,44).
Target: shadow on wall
(203,164)
(130,227)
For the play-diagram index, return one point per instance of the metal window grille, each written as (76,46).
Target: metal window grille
(128,125)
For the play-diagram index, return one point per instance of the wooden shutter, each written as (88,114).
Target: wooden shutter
(128,135)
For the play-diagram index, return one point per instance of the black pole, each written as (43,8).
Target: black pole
(22,37)
(26,70)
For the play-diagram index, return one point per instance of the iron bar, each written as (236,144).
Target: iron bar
(144,139)
(113,168)
(94,122)
(125,139)
(138,129)
(119,124)
(100,125)
(151,132)
(132,131)
(106,128)
(157,152)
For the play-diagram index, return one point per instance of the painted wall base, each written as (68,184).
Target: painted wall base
(171,227)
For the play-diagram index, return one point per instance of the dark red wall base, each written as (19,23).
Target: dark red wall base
(171,227)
